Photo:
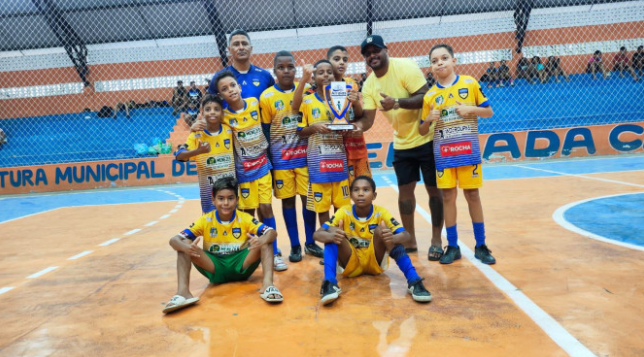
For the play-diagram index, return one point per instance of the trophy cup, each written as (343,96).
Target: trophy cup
(335,96)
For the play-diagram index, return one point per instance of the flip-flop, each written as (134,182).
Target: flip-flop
(178,302)
(271,290)
(435,249)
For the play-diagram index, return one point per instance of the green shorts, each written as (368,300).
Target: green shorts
(228,267)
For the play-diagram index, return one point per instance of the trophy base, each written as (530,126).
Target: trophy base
(338,127)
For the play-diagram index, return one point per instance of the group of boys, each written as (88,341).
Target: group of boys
(247,147)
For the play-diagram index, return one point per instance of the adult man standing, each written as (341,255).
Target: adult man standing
(252,79)
(396,87)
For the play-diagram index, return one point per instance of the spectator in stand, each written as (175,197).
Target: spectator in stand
(190,113)
(430,79)
(554,69)
(194,94)
(205,88)
(504,74)
(539,69)
(179,99)
(525,70)
(491,75)
(125,106)
(623,63)
(3,137)
(638,60)
(596,64)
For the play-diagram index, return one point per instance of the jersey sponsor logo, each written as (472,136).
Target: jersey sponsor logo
(359,242)
(316,113)
(252,151)
(481,90)
(279,105)
(352,226)
(331,165)
(307,101)
(250,134)
(244,120)
(455,131)
(463,93)
(279,184)
(268,94)
(197,135)
(254,115)
(224,249)
(213,232)
(450,96)
(317,196)
(245,192)
(227,143)
(254,164)
(394,222)
(294,153)
(468,80)
(214,178)
(254,102)
(290,121)
(233,122)
(219,162)
(255,221)
(330,149)
(217,145)
(225,233)
(462,148)
(450,115)
(237,232)
(440,100)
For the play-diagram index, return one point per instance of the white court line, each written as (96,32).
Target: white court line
(583,176)
(42,272)
(5,289)
(150,224)
(30,215)
(80,255)
(177,207)
(558,216)
(550,326)
(106,243)
(132,232)
(174,210)
(164,216)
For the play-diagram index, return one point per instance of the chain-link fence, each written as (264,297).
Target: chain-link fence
(69,69)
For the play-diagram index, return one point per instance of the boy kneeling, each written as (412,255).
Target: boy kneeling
(358,237)
(234,244)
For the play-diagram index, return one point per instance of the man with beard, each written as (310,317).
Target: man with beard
(396,87)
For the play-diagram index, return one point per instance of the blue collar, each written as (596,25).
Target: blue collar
(236,72)
(208,133)
(441,87)
(283,91)
(240,111)
(353,208)
(231,218)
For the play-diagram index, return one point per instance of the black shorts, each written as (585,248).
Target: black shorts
(409,164)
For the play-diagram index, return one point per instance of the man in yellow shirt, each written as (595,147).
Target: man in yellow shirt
(396,87)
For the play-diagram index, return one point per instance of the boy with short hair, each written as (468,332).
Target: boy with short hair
(288,154)
(450,109)
(356,147)
(211,148)
(326,155)
(359,237)
(234,244)
(251,156)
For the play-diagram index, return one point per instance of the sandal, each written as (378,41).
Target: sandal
(435,253)
(178,302)
(271,290)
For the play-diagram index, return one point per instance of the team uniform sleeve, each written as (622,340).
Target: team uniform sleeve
(191,144)
(265,109)
(392,223)
(303,120)
(334,221)
(479,96)
(195,230)
(413,78)
(255,227)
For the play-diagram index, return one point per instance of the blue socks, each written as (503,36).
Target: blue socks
(452,236)
(403,261)
(310,218)
(290,218)
(331,262)
(479,233)
(271,223)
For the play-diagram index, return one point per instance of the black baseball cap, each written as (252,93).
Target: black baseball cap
(375,40)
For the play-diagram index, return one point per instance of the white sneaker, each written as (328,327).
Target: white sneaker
(278,263)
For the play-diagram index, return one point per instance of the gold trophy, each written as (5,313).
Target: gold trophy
(335,96)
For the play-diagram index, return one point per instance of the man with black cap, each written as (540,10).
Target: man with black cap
(396,87)
(252,79)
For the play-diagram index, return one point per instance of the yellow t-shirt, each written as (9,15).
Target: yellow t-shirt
(402,79)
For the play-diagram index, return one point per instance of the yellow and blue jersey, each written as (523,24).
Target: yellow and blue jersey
(456,141)
(212,166)
(287,149)
(249,141)
(222,238)
(360,230)
(326,155)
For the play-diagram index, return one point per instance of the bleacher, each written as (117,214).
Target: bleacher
(82,136)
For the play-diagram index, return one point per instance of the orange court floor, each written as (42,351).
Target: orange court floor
(88,273)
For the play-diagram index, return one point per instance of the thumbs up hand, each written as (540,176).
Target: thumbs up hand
(339,235)
(464,110)
(386,234)
(434,114)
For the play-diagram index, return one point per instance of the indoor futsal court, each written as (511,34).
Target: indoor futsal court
(88,273)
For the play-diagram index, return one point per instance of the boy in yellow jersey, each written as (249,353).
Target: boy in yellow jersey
(288,154)
(234,244)
(451,109)
(251,153)
(357,156)
(326,155)
(211,148)
(359,237)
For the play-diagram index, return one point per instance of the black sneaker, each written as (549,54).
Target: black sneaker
(482,253)
(451,254)
(330,292)
(314,250)
(296,254)
(418,291)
